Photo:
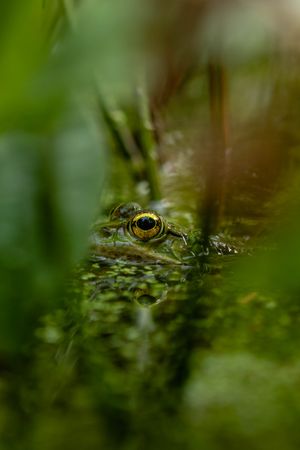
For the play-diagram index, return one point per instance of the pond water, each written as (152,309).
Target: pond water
(145,356)
(166,356)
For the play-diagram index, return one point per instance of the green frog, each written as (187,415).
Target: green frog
(143,236)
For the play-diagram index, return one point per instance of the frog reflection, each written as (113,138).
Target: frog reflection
(145,285)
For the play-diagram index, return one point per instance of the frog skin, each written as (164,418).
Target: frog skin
(143,236)
(139,236)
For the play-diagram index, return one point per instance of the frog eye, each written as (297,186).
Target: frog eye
(146,225)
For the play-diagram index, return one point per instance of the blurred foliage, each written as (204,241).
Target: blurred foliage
(51,168)
(194,102)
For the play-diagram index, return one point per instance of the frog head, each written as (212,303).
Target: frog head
(139,235)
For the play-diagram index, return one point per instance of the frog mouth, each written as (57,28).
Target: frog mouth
(133,254)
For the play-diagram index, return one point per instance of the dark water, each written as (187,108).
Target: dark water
(150,321)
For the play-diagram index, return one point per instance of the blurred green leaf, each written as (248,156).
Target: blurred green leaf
(21,34)
(50,187)
(103,46)
(243,400)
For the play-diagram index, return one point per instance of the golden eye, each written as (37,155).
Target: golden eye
(146,225)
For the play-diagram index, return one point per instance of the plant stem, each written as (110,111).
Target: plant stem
(214,196)
(148,144)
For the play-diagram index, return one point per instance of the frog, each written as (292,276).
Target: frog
(143,236)
(140,236)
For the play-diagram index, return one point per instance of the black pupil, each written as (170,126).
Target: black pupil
(146,223)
